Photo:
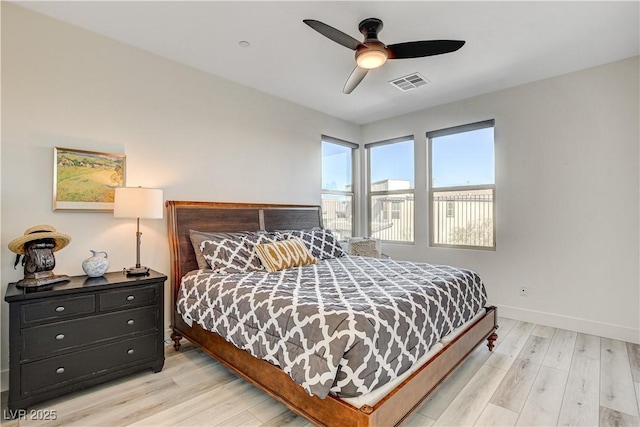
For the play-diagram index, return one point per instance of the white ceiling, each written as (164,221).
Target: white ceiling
(507,44)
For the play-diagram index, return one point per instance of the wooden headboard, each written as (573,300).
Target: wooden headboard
(227,217)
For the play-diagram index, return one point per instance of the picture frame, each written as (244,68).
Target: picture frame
(86,180)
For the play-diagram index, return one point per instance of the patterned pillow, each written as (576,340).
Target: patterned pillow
(234,252)
(321,242)
(196,238)
(284,254)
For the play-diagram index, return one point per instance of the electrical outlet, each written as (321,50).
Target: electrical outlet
(523,291)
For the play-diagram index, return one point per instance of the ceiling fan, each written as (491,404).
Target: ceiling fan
(372,53)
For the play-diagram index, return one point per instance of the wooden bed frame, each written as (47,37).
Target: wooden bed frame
(392,410)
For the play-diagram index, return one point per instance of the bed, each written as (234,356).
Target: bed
(393,402)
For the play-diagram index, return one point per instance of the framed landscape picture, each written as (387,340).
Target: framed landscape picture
(86,180)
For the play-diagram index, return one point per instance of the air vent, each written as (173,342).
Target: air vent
(412,81)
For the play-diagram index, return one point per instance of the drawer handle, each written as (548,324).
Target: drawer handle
(130,298)
(130,351)
(60,337)
(130,322)
(60,309)
(60,371)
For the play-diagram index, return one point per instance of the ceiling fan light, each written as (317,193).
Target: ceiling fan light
(370,59)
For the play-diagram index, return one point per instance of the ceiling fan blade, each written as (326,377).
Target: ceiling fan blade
(335,35)
(422,48)
(354,79)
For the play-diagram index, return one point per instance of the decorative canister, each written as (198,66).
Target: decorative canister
(96,265)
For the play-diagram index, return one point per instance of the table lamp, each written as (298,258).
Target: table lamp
(138,202)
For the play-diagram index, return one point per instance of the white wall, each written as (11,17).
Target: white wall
(567,194)
(196,136)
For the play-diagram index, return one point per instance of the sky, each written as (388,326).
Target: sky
(393,161)
(463,159)
(336,166)
(459,159)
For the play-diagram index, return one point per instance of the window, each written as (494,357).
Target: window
(391,188)
(337,186)
(462,186)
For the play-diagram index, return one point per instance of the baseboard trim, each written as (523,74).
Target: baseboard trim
(585,326)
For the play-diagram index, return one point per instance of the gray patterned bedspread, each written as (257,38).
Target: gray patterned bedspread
(346,325)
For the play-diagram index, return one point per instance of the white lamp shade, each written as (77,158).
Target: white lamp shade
(138,202)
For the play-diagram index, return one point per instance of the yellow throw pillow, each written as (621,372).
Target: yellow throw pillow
(284,254)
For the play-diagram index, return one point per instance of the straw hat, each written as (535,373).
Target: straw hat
(36,233)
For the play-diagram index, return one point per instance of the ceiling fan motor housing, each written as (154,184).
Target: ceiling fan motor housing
(372,53)
(370,27)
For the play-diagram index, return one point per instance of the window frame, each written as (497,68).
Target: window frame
(372,194)
(431,191)
(354,150)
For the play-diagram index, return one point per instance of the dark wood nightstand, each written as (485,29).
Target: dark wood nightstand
(75,334)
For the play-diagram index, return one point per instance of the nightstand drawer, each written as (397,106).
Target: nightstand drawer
(42,340)
(127,297)
(59,308)
(73,367)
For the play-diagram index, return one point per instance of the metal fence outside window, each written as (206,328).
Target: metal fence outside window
(463,218)
(337,215)
(392,217)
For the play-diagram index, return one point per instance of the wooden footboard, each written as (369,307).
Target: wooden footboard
(392,410)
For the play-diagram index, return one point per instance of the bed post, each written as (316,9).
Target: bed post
(176,337)
(176,271)
(491,339)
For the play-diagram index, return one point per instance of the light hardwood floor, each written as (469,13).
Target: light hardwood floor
(536,376)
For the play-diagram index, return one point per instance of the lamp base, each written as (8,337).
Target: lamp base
(137,271)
